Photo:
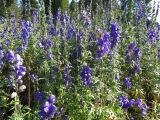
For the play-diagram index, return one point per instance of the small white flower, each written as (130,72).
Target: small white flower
(13,95)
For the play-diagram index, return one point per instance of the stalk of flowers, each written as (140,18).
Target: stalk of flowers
(16,70)
(35,16)
(26,29)
(48,110)
(39,96)
(104,46)
(86,75)
(66,77)
(152,36)
(114,34)
(127,83)
(132,48)
(126,104)
(159,54)
(85,18)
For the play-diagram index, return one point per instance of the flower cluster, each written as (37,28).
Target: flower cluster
(152,36)
(16,70)
(39,96)
(125,103)
(47,45)
(159,54)
(137,53)
(115,35)
(127,82)
(103,46)
(86,75)
(26,29)
(48,110)
(66,76)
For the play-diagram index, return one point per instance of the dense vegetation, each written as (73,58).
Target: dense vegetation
(92,61)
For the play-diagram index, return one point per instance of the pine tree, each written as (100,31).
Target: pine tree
(2,8)
(34,5)
(55,5)
(72,5)
(64,5)
(7,6)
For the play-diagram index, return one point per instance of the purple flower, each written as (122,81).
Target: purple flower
(49,54)
(132,102)
(148,23)
(123,100)
(35,16)
(144,109)
(115,35)
(70,34)
(132,45)
(18,60)
(39,96)
(137,53)
(86,75)
(10,56)
(50,43)
(152,36)
(53,31)
(21,71)
(127,82)
(52,99)
(48,110)
(7,42)
(1,54)
(131,118)
(128,56)
(159,54)
(52,110)
(103,46)
(137,68)
(138,102)
(158,25)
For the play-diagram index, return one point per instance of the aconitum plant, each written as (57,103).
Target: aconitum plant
(48,110)
(86,75)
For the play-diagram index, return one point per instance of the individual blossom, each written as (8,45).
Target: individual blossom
(7,42)
(144,109)
(86,75)
(148,23)
(52,99)
(137,53)
(159,54)
(131,118)
(1,54)
(70,33)
(66,76)
(49,54)
(132,46)
(18,60)
(20,71)
(128,56)
(103,46)
(35,16)
(152,36)
(138,102)
(48,110)
(132,102)
(136,68)
(10,56)
(53,31)
(123,100)
(127,82)
(39,96)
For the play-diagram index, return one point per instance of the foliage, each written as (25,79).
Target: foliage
(82,67)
